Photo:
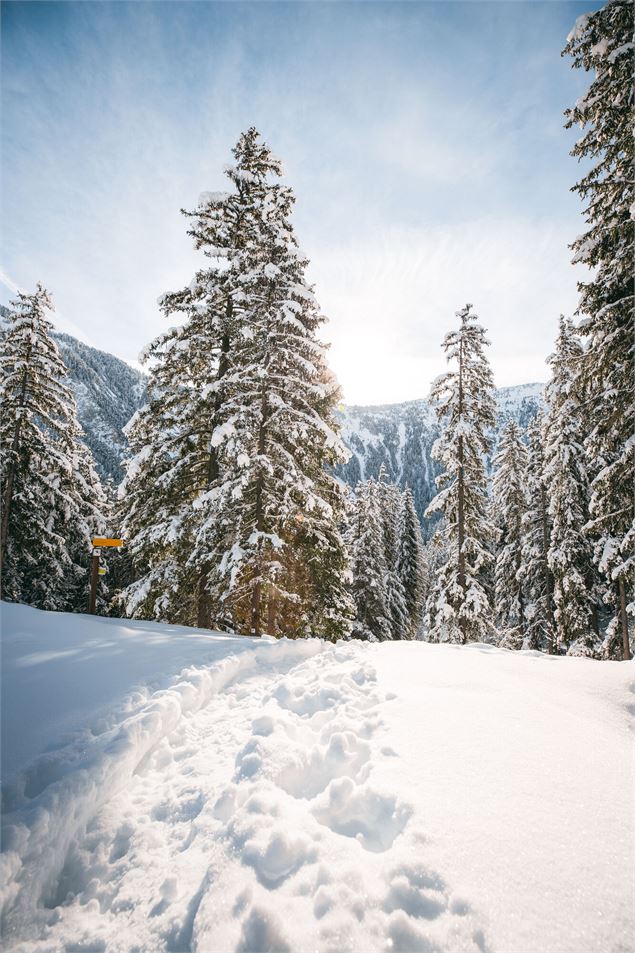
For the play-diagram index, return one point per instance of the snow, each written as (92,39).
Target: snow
(254,795)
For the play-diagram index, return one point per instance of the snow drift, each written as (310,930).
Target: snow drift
(251,795)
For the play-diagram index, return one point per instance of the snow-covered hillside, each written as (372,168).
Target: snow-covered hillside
(108,392)
(401,436)
(214,793)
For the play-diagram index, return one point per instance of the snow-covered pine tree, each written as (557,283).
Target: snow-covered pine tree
(435,556)
(368,565)
(459,609)
(273,527)
(389,499)
(411,563)
(510,464)
(602,42)
(52,499)
(570,557)
(535,574)
(168,495)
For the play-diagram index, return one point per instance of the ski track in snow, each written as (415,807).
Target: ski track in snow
(254,825)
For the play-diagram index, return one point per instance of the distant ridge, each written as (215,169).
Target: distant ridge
(399,436)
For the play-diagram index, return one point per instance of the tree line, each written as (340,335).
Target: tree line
(232,516)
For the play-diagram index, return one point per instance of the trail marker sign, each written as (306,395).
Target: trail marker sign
(95,569)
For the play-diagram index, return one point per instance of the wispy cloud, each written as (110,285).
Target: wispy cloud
(424,143)
(9,282)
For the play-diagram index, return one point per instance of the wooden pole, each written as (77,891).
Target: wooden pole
(94,577)
(626,649)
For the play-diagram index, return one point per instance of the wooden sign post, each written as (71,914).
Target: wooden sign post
(95,571)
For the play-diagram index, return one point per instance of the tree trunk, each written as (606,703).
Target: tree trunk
(15,445)
(204,602)
(626,649)
(545,562)
(259,512)
(461,505)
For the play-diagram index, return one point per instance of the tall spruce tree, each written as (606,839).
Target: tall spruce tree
(265,524)
(411,563)
(52,499)
(368,563)
(602,43)
(459,609)
(510,464)
(168,498)
(535,574)
(389,500)
(566,474)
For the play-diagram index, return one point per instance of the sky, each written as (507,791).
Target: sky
(424,142)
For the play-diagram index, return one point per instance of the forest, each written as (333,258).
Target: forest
(232,513)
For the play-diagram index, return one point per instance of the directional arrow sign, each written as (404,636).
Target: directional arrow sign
(104,541)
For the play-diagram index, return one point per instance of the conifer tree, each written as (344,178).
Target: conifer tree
(252,445)
(52,499)
(459,607)
(566,475)
(535,574)
(389,499)
(602,43)
(168,496)
(510,465)
(411,563)
(372,621)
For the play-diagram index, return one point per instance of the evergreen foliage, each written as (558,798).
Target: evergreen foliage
(368,563)
(510,464)
(411,563)
(233,515)
(567,478)
(458,608)
(52,500)
(535,575)
(602,43)
(389,499)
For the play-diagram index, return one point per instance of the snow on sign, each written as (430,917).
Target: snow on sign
(105,541)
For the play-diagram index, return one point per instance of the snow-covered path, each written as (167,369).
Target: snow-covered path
(309,797)
(253,826)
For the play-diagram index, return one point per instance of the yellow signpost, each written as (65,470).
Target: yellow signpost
(99,542)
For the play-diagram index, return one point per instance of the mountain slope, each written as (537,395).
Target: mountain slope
(401,436)
(108,392)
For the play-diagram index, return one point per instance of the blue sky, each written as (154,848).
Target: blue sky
(424,142)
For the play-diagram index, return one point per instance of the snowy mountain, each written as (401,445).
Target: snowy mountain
(108,392)
(401,436)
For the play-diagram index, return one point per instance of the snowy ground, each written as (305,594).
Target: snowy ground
(221,794)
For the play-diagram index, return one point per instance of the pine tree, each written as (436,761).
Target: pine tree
(459,607)
(389,500)
(168,498)
(411,563)
(602,42)
(269,521)
(535,574)
(52,499)
(566,475)
(510,464)
(372,621)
